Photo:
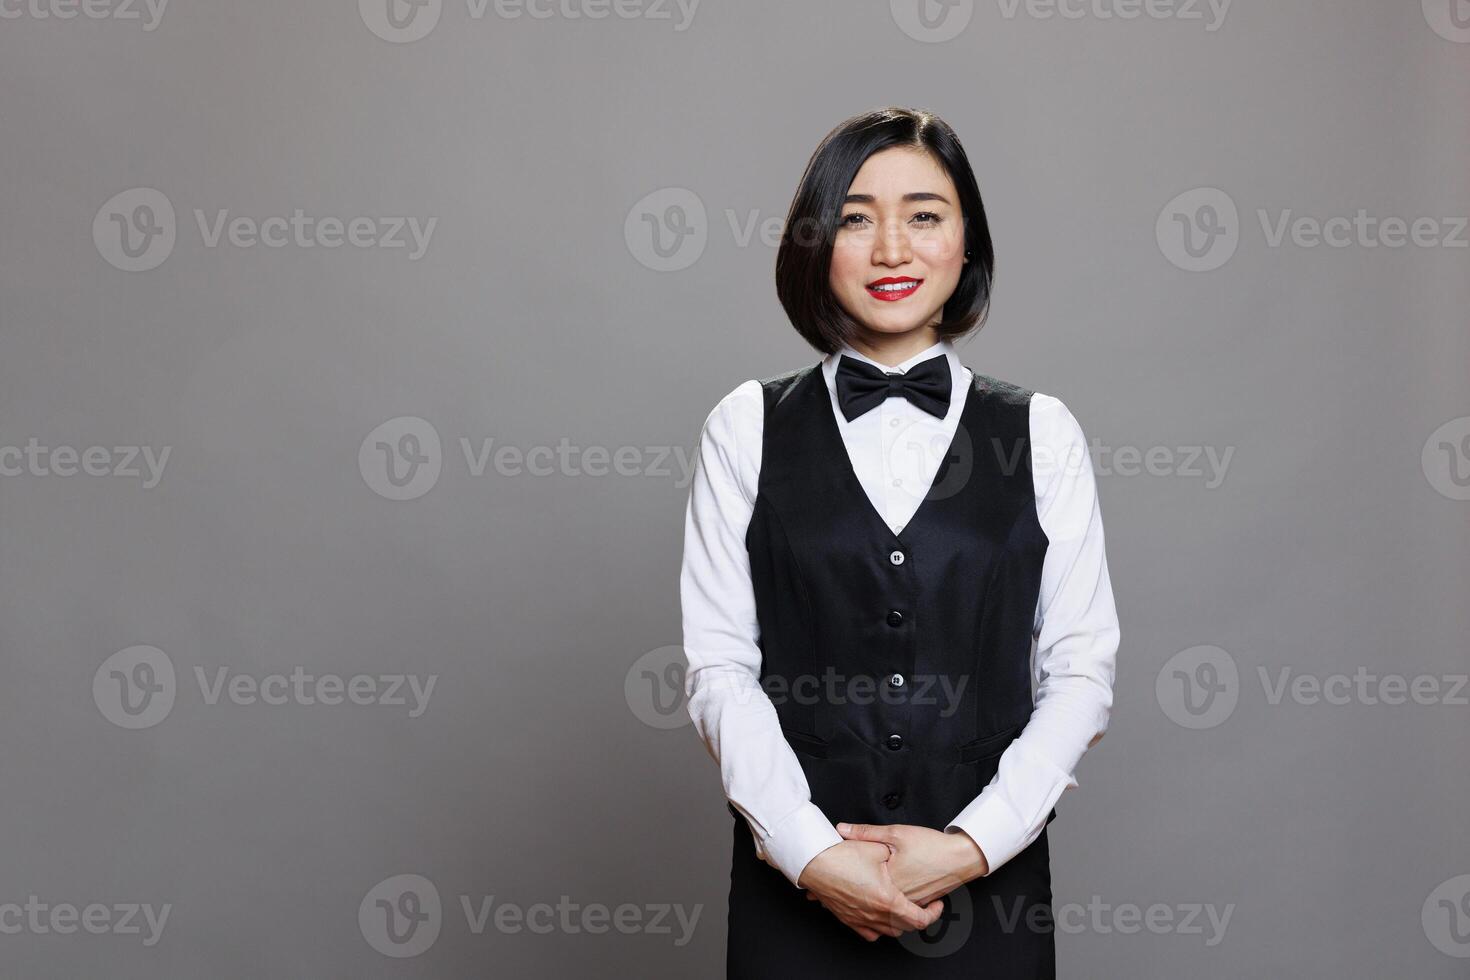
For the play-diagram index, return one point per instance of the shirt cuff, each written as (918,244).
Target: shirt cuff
(992,824)
(796,840)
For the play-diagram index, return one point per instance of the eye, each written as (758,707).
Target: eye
(848,221)
(933,219)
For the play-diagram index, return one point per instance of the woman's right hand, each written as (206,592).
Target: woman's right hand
(852,881)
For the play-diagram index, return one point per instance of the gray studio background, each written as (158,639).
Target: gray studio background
(597,274)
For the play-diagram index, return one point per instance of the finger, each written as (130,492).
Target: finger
(916,916)
(878,833)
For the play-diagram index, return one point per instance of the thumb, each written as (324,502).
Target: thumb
(920,916)
(879,833)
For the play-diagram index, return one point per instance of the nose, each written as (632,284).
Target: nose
(892,246)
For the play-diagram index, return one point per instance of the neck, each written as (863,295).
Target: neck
(894,348)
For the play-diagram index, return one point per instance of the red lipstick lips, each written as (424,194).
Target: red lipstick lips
(891,289)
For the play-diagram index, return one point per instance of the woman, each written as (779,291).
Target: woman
(872,543)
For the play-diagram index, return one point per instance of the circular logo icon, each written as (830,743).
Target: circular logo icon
(948,932)
(135,230)
(654,688)
(1198,687)
(1450,19)
(401,458)
(135,688)
(918,447)
(400,21)
(1446,459)
(932,21)
(1199,230)
(666,231)
(1446,917)
(401,916)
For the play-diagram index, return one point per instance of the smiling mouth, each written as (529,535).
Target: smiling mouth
(892,289)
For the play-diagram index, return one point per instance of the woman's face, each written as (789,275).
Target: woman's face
(901,227)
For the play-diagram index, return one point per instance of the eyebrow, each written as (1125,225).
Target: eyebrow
(913,196)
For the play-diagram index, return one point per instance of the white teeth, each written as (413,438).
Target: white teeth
(894,287)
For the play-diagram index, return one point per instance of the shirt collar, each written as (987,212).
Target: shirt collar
(943,346)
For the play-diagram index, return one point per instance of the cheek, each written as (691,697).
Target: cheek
(848,264)
(942,252)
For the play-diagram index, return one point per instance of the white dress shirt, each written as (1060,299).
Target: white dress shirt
(895,449)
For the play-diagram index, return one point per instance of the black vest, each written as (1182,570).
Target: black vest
(899,664)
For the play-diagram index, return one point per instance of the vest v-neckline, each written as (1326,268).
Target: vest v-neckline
(849,473)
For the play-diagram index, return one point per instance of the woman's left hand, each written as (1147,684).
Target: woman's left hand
(925,864)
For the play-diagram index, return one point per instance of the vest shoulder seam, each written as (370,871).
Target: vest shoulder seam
(988,384)
(778,386)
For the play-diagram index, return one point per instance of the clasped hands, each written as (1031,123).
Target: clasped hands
(887,879)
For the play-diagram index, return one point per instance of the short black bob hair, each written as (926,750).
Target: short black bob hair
(804,260)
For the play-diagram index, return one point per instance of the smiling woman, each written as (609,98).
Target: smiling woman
(887,211)
(893,523)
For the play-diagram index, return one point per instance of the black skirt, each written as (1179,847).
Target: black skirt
(998,927)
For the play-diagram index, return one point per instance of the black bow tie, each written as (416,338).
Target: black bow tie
(861,386)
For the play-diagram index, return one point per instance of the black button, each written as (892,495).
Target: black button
(892,801)
(895,742)
(895,618)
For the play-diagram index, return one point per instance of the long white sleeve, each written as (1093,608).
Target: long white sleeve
(1076,646)
(732,714)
